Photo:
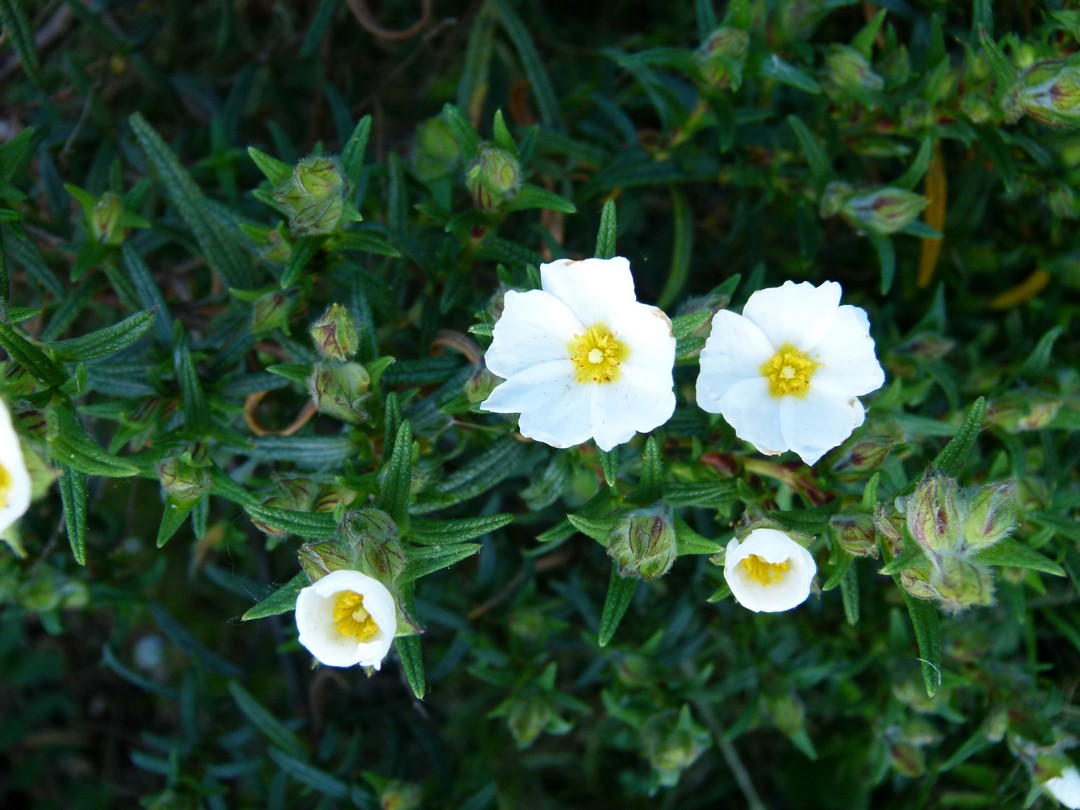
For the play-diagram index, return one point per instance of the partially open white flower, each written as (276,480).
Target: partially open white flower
(768,572)
(1065,788)
(347,618)
(14,479)
(582,358)
(786,373)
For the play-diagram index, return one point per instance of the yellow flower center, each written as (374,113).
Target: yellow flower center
(351,619)
(5,485)
(764,572)
(788,372)
(597,355)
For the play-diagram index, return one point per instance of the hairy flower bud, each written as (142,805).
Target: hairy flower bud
(183,481)
(271,311)
(855,534)
(105,219)
(335,334)
(493,176)
(643,542)
(847,69)
(722,56)
(527,718)
(319,559)
(915,579)
(958,584)
(884,211)
(1050,92)
(314,196)
(864,455)
(990,513)
(374,542)
(672,743)
(437,151)
(341,390)
(933,514)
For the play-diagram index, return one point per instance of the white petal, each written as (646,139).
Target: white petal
(734,352)
(815,424)
(535,327)
(798,314)
(849,366)
(318,631)
(754,415)
(554,406)
(591,288)
(637,403)
(15,500)
(774,547)
(1065,788)
(646,332)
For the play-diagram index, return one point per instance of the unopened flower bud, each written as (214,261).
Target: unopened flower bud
(672,743)
(797,19)
(314,196)
(271,311)
(332,496)
(295,494)
(341,390)
(335,333)
(1050,92)
(319,559)
(855,534)
(437,151)
(907,759)
(480,385)
(722,57)
(933,515)
(958,584)
(643,542)
(990,514)
(527,718)
(105,219)
(886,210)
(375,542)
(915,579)
(865,455)
(493,177)
(847,69)
(399,795)
(976,107)
(183,481)
(786,712)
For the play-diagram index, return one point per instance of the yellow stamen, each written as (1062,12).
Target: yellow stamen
(351,619)
(597,355)
(788,372)
(764,572)
(5,485)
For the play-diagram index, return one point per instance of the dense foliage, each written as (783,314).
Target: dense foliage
(252,257)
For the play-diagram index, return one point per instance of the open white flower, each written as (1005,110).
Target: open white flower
(347,618)
(582,358)
(14,478)
(786,373)
(768,572)
(1065,788)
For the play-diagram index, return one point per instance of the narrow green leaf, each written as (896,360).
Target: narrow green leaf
(1036,363)
(309,525)
(69,445)
(21,37)
(915,172)
(268,725)
(925,621)
(620,592)
(280,601)
(532,196)
(849,592)
(104,342)
(109,659)
(222,251)
(317,779)
(500,461)
(412,662)
(273,169)
(953,455)
(864,40)
(5,286)
(605,236)
(706,18)
(816,159)
(457,530)
(464,133)
(531,62)
(650,485)
(911,555)
(72,485)
(303,251)
(683,326)
(784,72)
(196,410)
(394,496)
(424,560)
(1012,553)
(473,85)
(172,518)
(840,563)
(609,463)
(682,248)
(352,157)
(690,542)
(190,645)
(598,528)
(31,358)
(502,137)
(886,259)
(148,292)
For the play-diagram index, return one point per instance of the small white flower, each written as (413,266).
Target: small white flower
(1065,788)
(768,572)
(347,618)
(786,373)
(582,358)
(14,478)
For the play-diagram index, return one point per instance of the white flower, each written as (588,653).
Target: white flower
(1065,788)
(347,618)
(768,572)
(14,479)
(582,358)
(786,373)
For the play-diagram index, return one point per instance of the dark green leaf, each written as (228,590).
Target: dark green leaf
(30,357)
(104,342)
(397,484)
(1014,554)
(280,601)
(72,485)
(268,725)
(412,662)
(620,592)
(457,530)
(952,457)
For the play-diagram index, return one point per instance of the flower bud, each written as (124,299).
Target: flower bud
(786,712)
(493,177)
(865,455)
(314,196)
(437,151)
(335,333)
(399,795)
(933,515)
(296,494)
(673,743)
(319,559)
(333,495)
(341,390)
(722,56)
(959,584)
(271,311)
(183,481)
(374,542)
(480,385)
(855,534)
(915,579)
(527,718)
(797,19)
(886,210)
(643,542)
(847,69)
(976,107)
(990,514)
(1050,92)
(105,219)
